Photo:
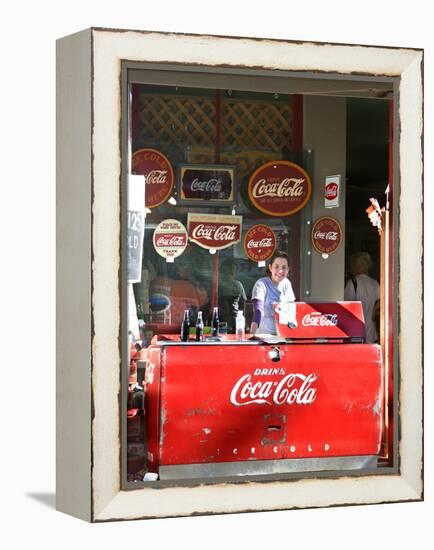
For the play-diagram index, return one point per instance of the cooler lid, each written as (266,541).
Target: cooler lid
(320,320)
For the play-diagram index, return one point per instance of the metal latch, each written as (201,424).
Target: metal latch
(274,354)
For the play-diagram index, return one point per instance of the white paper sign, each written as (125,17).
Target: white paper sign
(135,227)
(287,313)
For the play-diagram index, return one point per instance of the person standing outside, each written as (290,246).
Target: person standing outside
(363,288)
(274,288)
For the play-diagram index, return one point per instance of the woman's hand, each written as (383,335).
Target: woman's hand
(253,329)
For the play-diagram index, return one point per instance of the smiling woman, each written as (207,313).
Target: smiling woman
(275,288)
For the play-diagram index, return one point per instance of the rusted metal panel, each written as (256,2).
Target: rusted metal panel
(152,406)
(231,403)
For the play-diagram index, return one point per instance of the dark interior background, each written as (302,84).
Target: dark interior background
(367,172)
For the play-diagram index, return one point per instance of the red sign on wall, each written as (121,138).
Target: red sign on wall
(259,243)
(214,231)
(331,191)
(158,173)
(279,188)
(326,235)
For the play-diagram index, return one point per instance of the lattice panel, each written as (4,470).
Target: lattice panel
(257,125)
(177,120)
(252,131)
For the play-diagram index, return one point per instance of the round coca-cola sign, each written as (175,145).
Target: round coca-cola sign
(326,235)
(259,243)
(158,173)
(279,188)
(170,239)
(331,191)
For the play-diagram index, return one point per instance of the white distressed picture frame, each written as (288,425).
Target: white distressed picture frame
(88,263)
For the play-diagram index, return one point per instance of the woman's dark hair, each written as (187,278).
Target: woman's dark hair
(277,254)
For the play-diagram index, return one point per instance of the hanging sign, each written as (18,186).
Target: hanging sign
(332,186)
(259,243)
(135,227)
(279,188)
(206,183)
(170,239)
(214,231)
(326,235)
(158,173)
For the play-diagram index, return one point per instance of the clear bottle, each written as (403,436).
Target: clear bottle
(185,327)
(199,327)
(240,326)
(215,322)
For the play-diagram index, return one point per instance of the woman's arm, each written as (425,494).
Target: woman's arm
(258,312)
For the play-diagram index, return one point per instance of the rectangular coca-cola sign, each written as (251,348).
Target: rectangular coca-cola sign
(200,183)
(214,231)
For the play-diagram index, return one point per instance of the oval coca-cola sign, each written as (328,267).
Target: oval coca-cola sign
(259,243)
(214,231)
(326,235)
(279,188)
(170,239)
(158,173)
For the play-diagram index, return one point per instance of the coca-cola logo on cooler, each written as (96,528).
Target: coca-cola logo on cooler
(318,319)
(265,388)
(158,173)
(279,188)
(170,239)
(326,235)
(213,231)
(259,243)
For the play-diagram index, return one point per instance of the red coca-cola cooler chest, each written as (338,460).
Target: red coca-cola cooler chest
(310,398)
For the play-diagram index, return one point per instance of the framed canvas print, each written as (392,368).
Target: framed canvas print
(237,332)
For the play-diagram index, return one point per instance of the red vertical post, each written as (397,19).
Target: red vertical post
(387,302)
(215,280)
(217,142)
(135,113)
(390,288)
(297,127)
(297,150)
(218,116)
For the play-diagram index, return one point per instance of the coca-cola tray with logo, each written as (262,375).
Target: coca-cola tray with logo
(322,320)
